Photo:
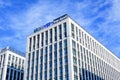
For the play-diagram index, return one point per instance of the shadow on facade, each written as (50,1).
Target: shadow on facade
(87,75)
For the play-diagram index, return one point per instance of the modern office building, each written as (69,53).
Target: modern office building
(11,64)
(63,50)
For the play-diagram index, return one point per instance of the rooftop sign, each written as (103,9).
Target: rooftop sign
(51,23)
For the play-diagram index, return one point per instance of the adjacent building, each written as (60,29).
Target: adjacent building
(11,64)
(63,50)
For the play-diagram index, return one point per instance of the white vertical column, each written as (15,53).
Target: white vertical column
(5,65)
(48,56)
(58,52)
(43,66)
(30,72)
(26,60)
(70,55)
(53,52)
(39,56)
(62,50)
(63,60)
(2,68)
(35,57)
(77,49)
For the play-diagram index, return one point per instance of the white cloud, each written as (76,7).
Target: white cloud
(115,13)
(35,16)
(24,23)
(41,13)
(109,28)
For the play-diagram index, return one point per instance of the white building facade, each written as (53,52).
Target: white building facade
(63,50)
(11,64)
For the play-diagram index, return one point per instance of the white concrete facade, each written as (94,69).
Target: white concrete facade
(65,51)
(11,64)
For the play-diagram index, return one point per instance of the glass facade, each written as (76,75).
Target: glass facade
(11,63)
(51,55)
(86,64)
(13,74)
(67,52)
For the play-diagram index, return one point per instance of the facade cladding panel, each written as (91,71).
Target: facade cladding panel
(11,64)
(65,51)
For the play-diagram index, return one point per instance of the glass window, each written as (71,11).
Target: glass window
(7,74)
(50,35)
(46,50)
(11,77)
(55,63)
(65,43)
(60,60)
(46,41)
(50,56)
(74,44)
(42,39)
(60,52)
(76,31)
(50,74)
(22,76)
(60,44)
(75,69)
(76,78)
(28,60)
(41,51)
(30,42)
(38,39)
(37,54)
(55,55)
(55,47)
(65,29)
(61,71)
(66,78)
(55,29)
(60,31)
(74,52)
(65,51)
(72,27)
(75,60)
(50,48)
(73,35)
(66,59)
(34,41)
(32,56)
(60,36)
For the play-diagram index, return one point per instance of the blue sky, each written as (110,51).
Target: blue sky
(18,18)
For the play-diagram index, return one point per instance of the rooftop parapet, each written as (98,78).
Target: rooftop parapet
(12,50)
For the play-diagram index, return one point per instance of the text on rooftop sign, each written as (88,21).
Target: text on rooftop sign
(51,23)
